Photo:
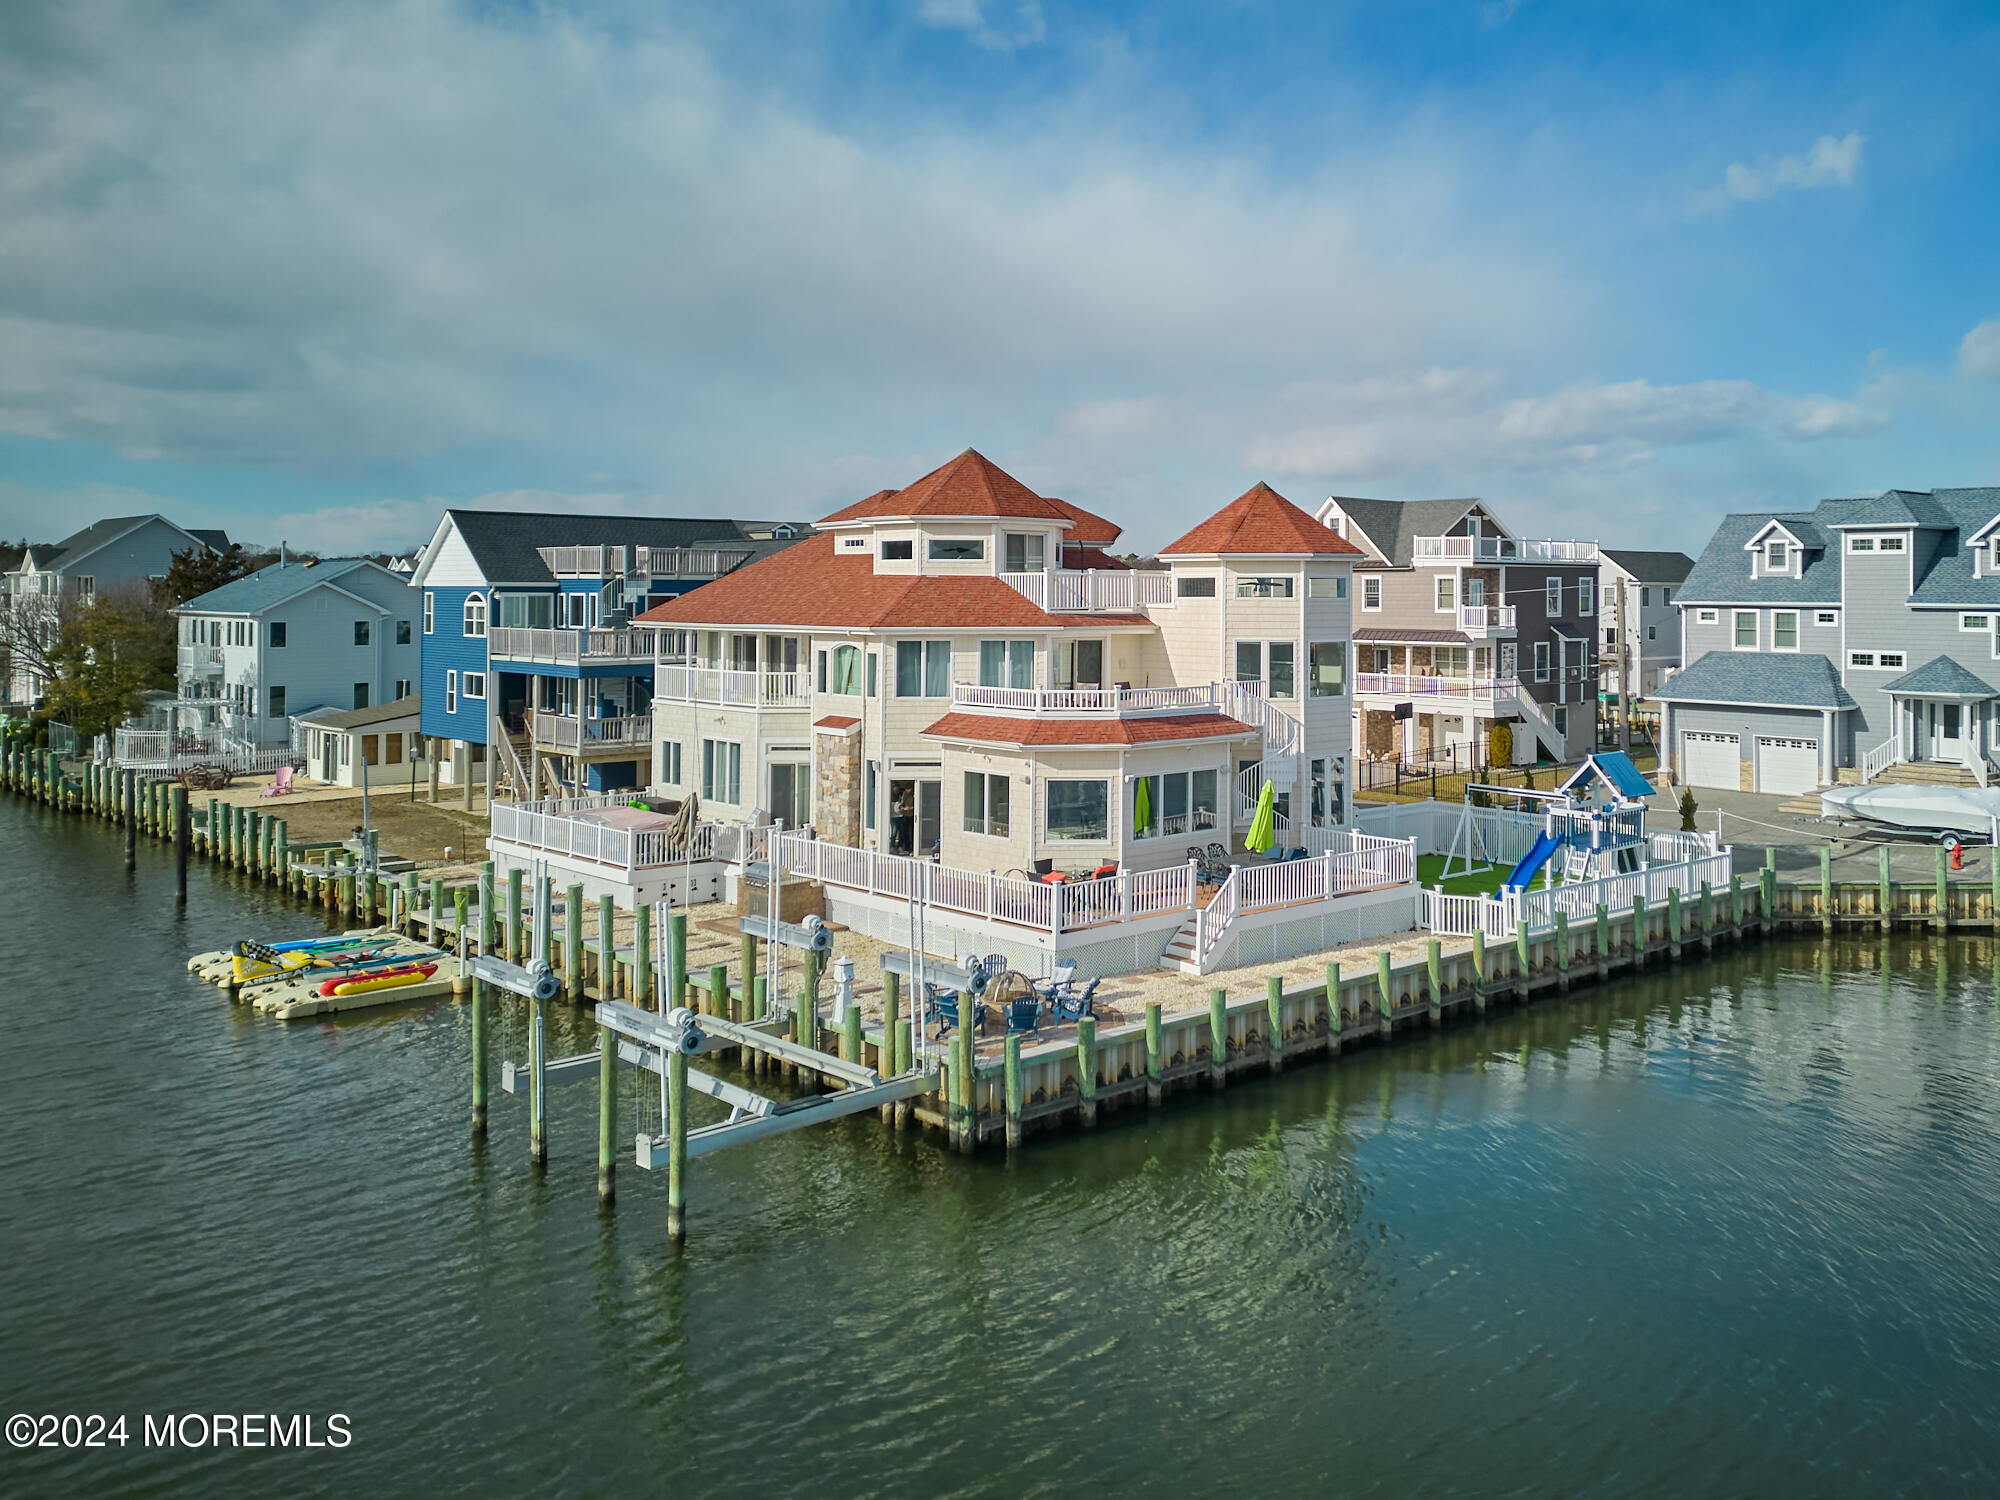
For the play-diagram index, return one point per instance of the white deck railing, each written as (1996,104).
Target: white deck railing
(727,688)
(1246,701)
(1110,702)
(565,732)
(1419,685)
(620,849)
(561,646)
(1483,619)
(1370,864)
(1431,549)
(1093,590)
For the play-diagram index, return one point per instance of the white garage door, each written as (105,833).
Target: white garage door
(1790,766)
(1710,760)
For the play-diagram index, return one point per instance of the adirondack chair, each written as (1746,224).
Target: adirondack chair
(1024,1013)
(1064,975)
(281,784)
(944,1009)
(1074,1005)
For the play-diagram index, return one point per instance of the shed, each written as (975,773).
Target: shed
(338,743)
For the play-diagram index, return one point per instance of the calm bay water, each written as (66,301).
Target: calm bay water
(1728,1230)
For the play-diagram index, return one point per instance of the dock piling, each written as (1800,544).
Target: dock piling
(1274,1021)
(607,960)
(642,957)
(538,1058)
(1155,1064)
(607,1110)
(180,844)
(677,1150)
(1086,1064)
(478,1049)
(1218,1038)
(573,942)
(1013,1090)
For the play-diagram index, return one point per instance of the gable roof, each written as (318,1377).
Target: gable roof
(506,543)
(1046,733)
(1941,677)
(280,583)
(1780,680)
(405,707)
(1615,769)
(1260,522)
(1390,525)
(969,485)
(1899,508)
(813,586)
(1650,567)
(1721,575)
(80,544)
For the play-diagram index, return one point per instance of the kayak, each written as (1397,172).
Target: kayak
(377,979)
(247,970)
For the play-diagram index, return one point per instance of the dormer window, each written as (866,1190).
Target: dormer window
(946,549)
(1777,557)
(899,551)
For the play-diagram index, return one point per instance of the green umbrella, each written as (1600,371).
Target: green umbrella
(1142,805)
(1263,832)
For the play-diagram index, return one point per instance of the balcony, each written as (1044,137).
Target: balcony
(1482,621)
(200,661)
(1088,702)
(1092,590)
(571,648)
(1479,692)
(622,738)
(1499,549)
(654,562)
(722,687)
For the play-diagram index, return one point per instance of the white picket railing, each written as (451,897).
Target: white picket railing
(1428,549)
(1482,619)
(1369,864)
(625,849)
(1246,701)
(1092,590)
(1450,915)
(565,731)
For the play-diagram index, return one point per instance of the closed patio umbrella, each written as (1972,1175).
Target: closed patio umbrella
(1263,832)
(1142,805)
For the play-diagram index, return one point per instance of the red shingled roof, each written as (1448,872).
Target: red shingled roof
(970,485)
(812,586)
(1058,732)
(1091,529)
(1092,557)
(1261,522)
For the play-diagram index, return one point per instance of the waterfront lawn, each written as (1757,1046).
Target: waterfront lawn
(1481,882)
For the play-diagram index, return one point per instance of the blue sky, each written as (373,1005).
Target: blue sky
(315,271)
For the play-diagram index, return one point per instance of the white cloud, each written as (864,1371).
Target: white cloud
(375,234)
(1496,13)
(1828,163)
(1979,351)
(970,17)
(1463,422)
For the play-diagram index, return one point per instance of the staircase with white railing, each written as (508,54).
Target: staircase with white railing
(1875,762)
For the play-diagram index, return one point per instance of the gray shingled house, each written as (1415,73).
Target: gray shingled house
(1854,641)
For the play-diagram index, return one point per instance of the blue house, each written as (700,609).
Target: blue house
(532,674)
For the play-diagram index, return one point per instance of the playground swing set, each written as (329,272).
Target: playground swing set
(1593,838)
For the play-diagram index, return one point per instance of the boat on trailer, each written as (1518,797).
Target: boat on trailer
(1944,813)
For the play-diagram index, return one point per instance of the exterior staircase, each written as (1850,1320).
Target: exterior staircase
(1180,957)
(1926,773)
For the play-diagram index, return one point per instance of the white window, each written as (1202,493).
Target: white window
(1827,617)
(475,684)
(1552,596)
(852,543)
(1775,559)
(1705,616)
(451,692)
(1025,553)
(1746,630)
(1326,586)
(475,615)
(722,771)
(430,611)
(670,751)
(1560,717)
(1475,592)
(402,687)
(1541,661)
(1891,544)
(1975,622)
(1586,596)
(1645,598)
(986,799)
(1371,593)
(1447,593)
(1889,659)
(1194,588)
(1861,544)
(1785,630)
(965,549)
(1879,660)
(1263,588)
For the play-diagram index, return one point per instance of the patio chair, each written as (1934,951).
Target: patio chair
(1041,867)
(1024,1013)
(942,1007)
(995,964)
(281,784)
(1075,1005)
(1059,981)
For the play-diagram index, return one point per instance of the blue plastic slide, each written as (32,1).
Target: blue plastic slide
(1532,862)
